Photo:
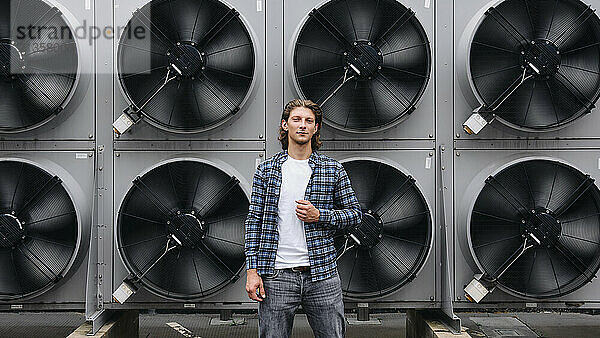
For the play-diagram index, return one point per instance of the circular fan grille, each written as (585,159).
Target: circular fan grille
(394,235)
(548,213)
(38,230)
(379,45)
(204,46)
(536,63)
(197,208)
(38,64)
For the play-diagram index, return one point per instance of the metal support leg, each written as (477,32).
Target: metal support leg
(225,315)
(447,310)
(363,314)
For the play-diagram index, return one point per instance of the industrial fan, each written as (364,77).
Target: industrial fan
(535,64)
(38,68)
(366,62)
(38,230)
(180,231)
(192,70)
(535,231)
(389,247)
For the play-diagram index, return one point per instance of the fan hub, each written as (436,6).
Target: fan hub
(188,229)
(187,58)
(11,231)
(543,57)
(543,227)
(364,57)
(370,230)
(11,60)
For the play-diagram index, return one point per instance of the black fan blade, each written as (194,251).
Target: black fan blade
(38,66)
(31,274)
(39,228)
(10,282)
(363,40)
(561,232)
(395,232)
(196,210)
(207,49)
(566,79)
(365,178)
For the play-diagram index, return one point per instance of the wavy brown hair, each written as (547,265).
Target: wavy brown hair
(315,141)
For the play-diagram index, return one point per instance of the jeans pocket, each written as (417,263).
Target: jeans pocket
(272,276)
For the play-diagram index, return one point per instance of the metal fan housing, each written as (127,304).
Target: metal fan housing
(45,227)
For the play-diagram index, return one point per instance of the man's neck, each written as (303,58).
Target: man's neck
(299,151)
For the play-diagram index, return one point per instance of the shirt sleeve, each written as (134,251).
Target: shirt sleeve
(254,219)
(347,211)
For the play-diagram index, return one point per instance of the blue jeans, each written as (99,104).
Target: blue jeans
(286,290)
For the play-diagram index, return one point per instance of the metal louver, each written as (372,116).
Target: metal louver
(38,230)
(535,229)
(390,246)
(193,71)
(38,69)
(180,230)
(366,62)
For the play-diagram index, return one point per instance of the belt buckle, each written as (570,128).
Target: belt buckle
(299,268)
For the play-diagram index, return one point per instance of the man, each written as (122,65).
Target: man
(299,199)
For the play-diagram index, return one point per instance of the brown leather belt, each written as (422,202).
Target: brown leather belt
(300,268)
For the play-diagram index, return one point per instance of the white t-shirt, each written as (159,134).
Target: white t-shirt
(292,250)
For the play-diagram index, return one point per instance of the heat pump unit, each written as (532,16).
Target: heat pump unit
(179,234)
(368,63)
(45,220)
(189,70)
(46,87)
(389,258)
(527,227)
(529,67)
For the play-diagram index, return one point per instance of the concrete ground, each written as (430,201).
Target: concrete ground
(545,324)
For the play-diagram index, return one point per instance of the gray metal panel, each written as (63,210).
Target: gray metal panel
(474,167)
(78,178)
(98,283)
(410,162)
(465,21)
(248,124)
(129,164)
(76,122)
(419,125)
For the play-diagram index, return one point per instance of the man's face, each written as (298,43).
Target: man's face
(301,125)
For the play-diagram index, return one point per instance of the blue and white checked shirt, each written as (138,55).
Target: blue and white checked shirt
(328,189)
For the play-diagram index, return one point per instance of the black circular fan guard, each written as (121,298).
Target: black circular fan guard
(38,230)
(547,212)
(536,64)
(204,46)
(38,64)
(199,211)
(394,235)
(379,45)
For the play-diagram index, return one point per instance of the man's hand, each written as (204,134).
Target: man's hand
(254,282)
(307,212)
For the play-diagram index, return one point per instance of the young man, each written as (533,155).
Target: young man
(299,199)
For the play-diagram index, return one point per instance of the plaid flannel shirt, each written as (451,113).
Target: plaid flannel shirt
(328,189)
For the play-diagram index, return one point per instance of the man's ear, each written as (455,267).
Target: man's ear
(284,125)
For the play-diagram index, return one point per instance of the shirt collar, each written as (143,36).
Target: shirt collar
(312,159)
